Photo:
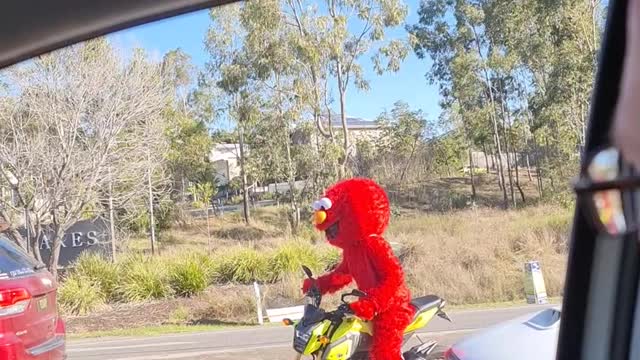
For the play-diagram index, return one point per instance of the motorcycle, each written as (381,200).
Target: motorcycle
(340,335)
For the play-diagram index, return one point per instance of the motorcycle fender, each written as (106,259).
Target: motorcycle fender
(346,338)
(421,320)
(314,343)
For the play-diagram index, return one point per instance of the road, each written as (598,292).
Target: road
(266,343)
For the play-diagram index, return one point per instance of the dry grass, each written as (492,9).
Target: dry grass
(478,255)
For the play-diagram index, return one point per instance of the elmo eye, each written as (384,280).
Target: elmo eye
(325,203)
(316,205)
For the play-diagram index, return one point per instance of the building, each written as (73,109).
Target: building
(359,128)
(226,162)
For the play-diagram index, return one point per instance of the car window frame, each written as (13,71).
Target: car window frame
(602,272)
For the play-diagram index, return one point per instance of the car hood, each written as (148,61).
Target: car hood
(531,337)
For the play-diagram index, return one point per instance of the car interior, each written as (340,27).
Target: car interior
(602,282)
(599,317)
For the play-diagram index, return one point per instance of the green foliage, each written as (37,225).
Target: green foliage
(203,192)
(289,258)
(99,270)
(80,295)
(330,257)
(189,275)
(242,265)
(448,154)
(143,279)
(190,147)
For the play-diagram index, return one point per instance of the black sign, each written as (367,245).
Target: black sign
(85,235)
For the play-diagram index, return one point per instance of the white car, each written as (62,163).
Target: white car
(532,337)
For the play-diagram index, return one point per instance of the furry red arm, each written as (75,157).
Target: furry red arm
(333,281)
(390,271)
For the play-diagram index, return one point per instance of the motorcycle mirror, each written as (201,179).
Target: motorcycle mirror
(307,271)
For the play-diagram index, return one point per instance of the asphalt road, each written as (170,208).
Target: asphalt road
(266,343)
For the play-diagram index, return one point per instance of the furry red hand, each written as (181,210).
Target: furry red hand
(364,309)
(306,285)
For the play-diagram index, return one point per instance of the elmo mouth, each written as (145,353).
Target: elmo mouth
(332,231)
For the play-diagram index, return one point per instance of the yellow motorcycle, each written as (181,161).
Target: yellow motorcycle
(340,335)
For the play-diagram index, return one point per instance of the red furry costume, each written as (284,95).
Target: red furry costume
(355,216)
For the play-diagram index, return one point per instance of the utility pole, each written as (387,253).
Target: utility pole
(152,222)
(112,225)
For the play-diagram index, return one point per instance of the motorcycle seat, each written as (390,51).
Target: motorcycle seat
(425,303)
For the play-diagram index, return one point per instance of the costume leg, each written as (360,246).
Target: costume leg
(388,330)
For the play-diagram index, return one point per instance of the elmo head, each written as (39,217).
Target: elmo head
(352,210)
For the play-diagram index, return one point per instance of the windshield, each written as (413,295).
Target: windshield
(180,174)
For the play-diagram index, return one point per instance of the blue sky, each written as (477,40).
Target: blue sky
(409,84)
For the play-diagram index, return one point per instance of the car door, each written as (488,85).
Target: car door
(602,280)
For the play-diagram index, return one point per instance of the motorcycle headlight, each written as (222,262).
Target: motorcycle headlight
(308,300)
(301,338)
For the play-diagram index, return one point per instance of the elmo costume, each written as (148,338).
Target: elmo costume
(354,214)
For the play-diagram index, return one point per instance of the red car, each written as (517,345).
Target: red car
(30,326)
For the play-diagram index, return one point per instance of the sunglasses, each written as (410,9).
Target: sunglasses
(605,186)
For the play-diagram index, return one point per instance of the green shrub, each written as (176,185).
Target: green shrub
(289,258)
(330,257)
(189,276)
(99,270)
(143,279)
(79,295)
(243,266)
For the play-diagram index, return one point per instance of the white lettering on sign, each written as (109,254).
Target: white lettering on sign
(93,238)
(76,239)
(44,242)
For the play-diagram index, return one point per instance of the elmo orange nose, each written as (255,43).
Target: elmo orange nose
(319,217)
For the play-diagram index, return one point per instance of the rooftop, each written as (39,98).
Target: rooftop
(353,122)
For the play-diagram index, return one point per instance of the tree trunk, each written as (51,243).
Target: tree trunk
(152,219)
(35,245)
(56,245)
(243,175)
(184,189)
(501,182)
(413,151)
(517,172)
(506,123)
(343,115)
(492,156)
(524,200)
(208,232)
(292,184)
(473,185)
(546,155)
(486,158)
